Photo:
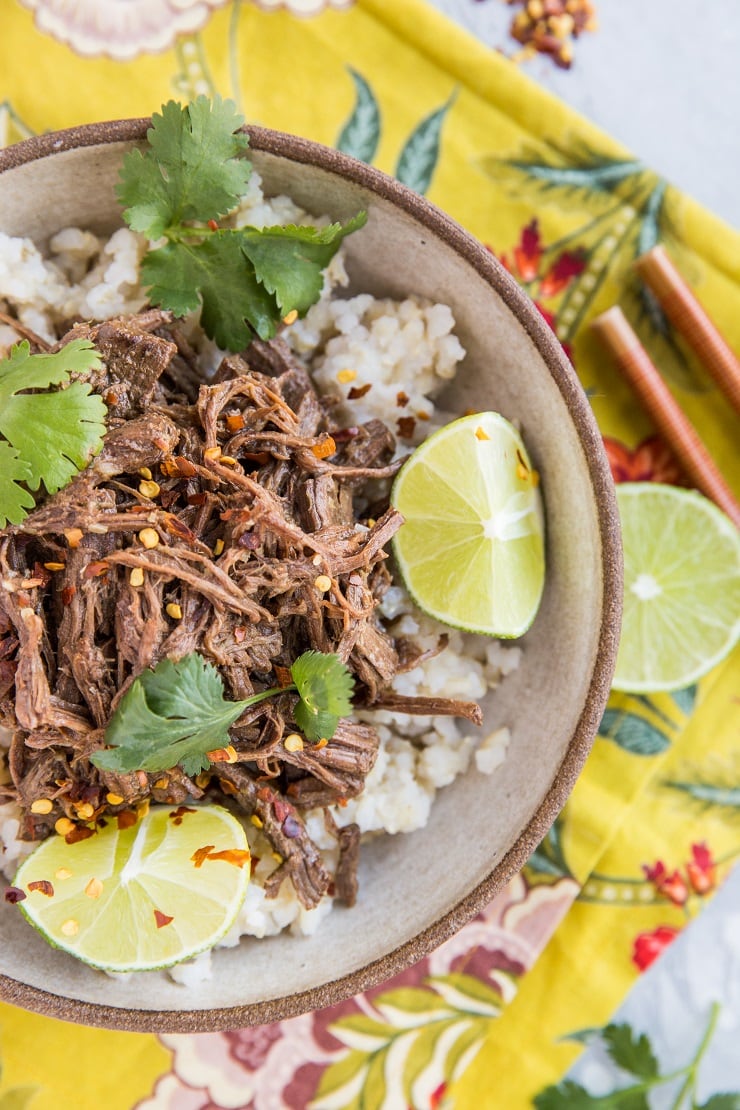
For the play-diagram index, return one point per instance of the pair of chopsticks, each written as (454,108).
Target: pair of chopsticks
(690,319)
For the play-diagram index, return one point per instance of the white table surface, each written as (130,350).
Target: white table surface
(662,76)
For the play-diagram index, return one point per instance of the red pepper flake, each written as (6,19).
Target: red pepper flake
(283,675)
(162,919)
(260,457)
(240,633)
(111,398)
(67,594)
(176,528)
(43,886)
(253,864)
(200,855)
(402,399)
(228,787)
(342,802)
(214,227)
(184,466)
(95,569)
(127,819)
(290,827)
(78,833)
(358,391)
(239,857)
(324,449)
(406,426)
(14,894)
(280,809)
(235,422)
(178,814)
(264,794)
(343,435)
(44,572)
(197,499)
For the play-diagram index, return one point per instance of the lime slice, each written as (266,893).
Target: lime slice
(471,551)
(134,899)
(681,587)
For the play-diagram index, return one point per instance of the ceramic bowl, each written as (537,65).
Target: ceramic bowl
(416,890)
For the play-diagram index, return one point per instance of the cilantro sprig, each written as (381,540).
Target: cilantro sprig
(245,280)
(177,713)
(45,435)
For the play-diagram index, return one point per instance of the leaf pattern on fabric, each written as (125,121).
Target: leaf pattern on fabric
(644,725)
(626,211)
(418,159)
(426,1031)
(360,134)
(12,127)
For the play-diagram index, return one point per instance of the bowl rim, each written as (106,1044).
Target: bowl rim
(305,151)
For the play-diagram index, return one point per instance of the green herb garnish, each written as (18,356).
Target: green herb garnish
(177,713)
(244,280)
(45,435)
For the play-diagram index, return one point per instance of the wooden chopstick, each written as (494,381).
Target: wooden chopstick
(636,365)
(689,318)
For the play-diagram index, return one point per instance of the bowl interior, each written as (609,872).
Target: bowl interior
(415,889)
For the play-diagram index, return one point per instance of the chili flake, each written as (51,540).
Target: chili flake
(200,855)
(235,423)
(73,536)
(162,919)
(178,814)
(43,886)
(14,894)
(126,819)
(291,317)
(481,434)
(346,376)
(63,826)
(42,805)
(239,857)
(149,537)
(78,833)
(293,742)
(94,888)
(223,755)
(68,593)
(136,578)
(406,426)
(70,927)
(114,799)
(55,566)
(63,873)
(324,449)
(149,489)
(402,399)
(359,391)
(174,610)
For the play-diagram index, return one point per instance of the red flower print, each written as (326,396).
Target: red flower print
(651,461)
(648,946)
(569,265)
(435,1099)
(701,869)
(672,886)
(544,272)
(528,253)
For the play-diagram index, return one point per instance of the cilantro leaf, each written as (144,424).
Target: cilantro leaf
(568,1095)
(289,260)
(177,712)
(723,1101)
(216,275)
(325,686)
(173,714)
(192,169)
(629,1051)
(53,434)
(245,280)
(15,501)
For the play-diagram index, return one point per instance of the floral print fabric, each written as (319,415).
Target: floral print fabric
(651,829)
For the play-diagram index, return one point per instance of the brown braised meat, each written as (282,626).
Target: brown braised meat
(223,519)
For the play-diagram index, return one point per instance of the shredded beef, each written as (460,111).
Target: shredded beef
(252,495)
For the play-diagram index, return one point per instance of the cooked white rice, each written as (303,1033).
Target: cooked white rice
(404,351)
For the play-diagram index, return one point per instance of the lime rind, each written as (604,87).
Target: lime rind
(117,931)
(471,550)
(688,546)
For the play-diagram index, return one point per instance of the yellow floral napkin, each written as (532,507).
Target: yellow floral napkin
(647,834)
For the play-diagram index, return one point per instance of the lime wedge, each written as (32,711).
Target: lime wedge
(135,899)
(471,550)
(681,587)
